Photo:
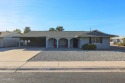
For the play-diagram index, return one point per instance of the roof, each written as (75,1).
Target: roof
(5,33)
(64,34)
(52,34)
(96,33)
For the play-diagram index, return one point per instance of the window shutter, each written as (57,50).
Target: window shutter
(90,40)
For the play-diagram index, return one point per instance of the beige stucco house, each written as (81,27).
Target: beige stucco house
(65,39)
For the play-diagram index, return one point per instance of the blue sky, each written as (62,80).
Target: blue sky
(74,15)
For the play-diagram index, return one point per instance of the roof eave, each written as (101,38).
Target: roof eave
(94,36)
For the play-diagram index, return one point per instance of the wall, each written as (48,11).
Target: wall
(83,41)
(1,42)
(104,45)
(8,41)
(50,43)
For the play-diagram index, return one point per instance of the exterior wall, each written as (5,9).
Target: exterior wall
(79,43)
(104,45)
(9,41)
(50,43)
(1,42)
(83,41)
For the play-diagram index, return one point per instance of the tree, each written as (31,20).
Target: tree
(59,28)
(17,31)
(52,29)
(27,29)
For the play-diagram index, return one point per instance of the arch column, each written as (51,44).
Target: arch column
(69,42)
(57,42)
(19,42)
(47,42)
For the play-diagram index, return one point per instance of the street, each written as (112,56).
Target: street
(62,77)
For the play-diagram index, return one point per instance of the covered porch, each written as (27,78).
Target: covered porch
(62,42)
(49,42)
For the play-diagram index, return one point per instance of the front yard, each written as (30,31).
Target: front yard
(42,54)
(114,54)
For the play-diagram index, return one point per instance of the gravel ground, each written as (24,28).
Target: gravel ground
(114,54)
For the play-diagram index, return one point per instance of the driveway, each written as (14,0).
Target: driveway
(113,54)
(18,54)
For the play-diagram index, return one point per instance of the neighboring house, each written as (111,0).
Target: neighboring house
(117,39)
(66,39)
(7,40)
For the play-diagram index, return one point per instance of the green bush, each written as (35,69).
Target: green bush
(89,47)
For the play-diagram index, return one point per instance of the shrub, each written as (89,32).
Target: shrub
(89,47)
(121,44)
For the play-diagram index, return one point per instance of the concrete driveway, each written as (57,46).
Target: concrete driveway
(18,54)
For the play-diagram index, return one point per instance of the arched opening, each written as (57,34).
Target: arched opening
(52,43)
(74,43)
(63,43)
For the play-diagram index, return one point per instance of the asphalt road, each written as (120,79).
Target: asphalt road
(62,77)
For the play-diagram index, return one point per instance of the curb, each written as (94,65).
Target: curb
(101,68)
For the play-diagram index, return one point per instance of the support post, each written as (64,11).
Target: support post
(6,42)
(46,42)
(57,42)
(19,42)
(68,42)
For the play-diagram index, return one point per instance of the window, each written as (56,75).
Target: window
(96,40)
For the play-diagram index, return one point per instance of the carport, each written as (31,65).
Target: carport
(33,41)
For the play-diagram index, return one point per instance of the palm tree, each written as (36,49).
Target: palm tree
(52,29)
(18,31)
(27,29)
(59,28)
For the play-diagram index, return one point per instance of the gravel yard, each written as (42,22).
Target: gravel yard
(114,54)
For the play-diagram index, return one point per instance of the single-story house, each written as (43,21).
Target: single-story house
(65,39)
(7,39)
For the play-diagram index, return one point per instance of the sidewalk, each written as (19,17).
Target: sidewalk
(63,66)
